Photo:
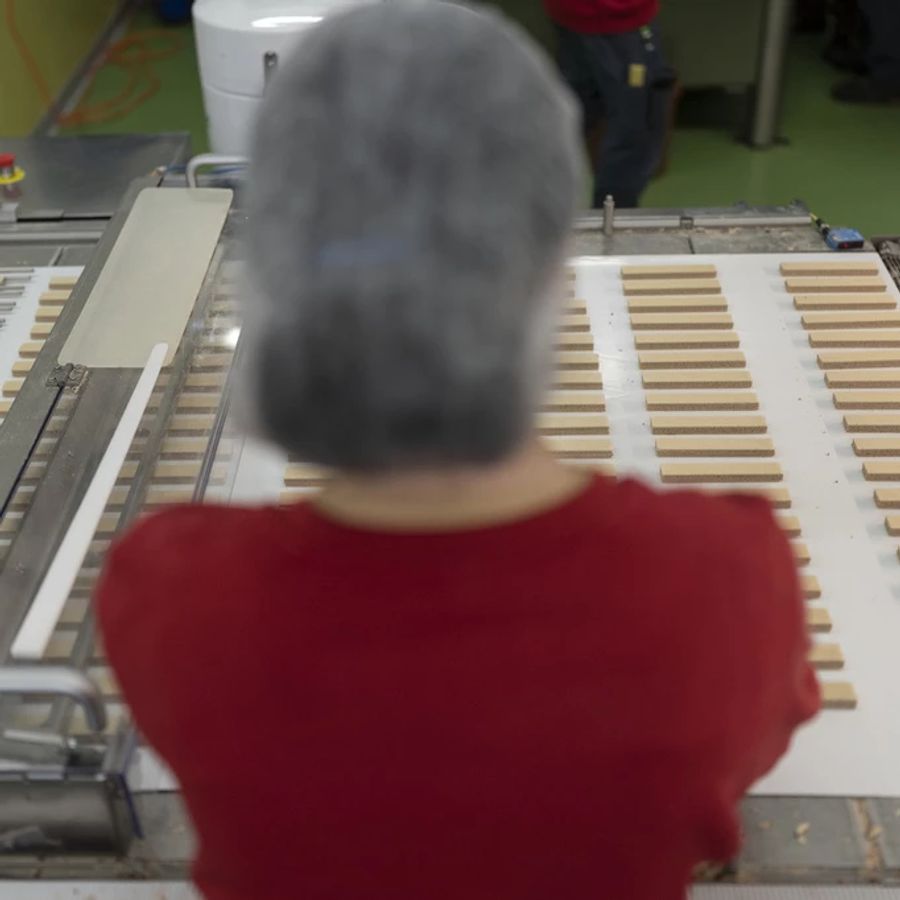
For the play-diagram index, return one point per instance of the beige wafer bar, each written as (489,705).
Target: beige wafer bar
(107,525)
(867,399)
(211,360)
(574,322)
(679,446)
(63,282)
(859,423)
(576,306)
(806,302)
(700,473)
(708,424)
(12,387)
(691,359)
(53,298)
(577,359)
(863,378)
(810,587)
(572,423)
(680,321)
(858,359)
(592,465)
(577,379)
(876,446)
(818,619)
(47,313)
(694,270)
(801,553)
(688,340)
(5,407)
(864,338)
(892,523)
(852,285)
(574,401)
(838,695)
(191,447)
(30,349)
(826,656)
(707,378)
(887,498)
(579,447)
(635,287)
(41,330)
(790,525)
(881,471)
(859,319)
(827,268)
(712,303)
(661,401)
(22,367)
(574,340)
(184,423)
(199,401)
(157,497)
(165,471)
(303,475)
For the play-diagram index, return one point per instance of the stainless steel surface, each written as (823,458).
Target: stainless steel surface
(609,215)
(73,812)
(770,83)
(22,427)
(86,177)
(56,681)
(100,402)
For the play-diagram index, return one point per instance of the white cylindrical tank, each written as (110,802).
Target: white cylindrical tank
(238,43)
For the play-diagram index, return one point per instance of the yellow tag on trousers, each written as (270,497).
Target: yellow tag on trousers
(637,75)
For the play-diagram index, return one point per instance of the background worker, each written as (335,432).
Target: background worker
(463,670)
(610,54)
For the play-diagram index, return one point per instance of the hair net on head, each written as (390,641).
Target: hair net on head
(415,173)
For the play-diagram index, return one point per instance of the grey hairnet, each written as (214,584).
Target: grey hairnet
(415,173)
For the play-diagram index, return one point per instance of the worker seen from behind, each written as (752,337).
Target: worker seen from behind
(610,54)
(462,670)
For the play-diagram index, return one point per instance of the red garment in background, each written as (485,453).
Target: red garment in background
(602,16)
(569,706)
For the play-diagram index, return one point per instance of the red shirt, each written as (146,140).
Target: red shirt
(602,16)
(566,706)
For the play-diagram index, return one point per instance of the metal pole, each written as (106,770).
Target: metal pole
(770,80)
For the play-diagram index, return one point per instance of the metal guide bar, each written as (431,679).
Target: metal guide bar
(26,419)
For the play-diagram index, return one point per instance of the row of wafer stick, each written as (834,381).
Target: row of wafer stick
(692,366)
(861,379)
(572,421)
(174,476)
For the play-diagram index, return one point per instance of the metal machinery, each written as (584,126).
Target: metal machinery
(78,794)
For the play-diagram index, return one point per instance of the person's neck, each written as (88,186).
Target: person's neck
(529,482)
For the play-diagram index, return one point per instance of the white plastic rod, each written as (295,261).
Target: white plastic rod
(40,622)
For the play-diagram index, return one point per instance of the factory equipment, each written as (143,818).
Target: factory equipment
(80,357)
(239,43)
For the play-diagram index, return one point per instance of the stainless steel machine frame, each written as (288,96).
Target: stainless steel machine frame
(63,798)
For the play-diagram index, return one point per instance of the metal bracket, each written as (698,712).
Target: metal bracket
(69,375)
(28,681)
(270,66)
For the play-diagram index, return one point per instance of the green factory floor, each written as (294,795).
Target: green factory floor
(844,161)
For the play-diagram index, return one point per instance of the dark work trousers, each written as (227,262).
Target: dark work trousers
(624,81)
(883,57)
